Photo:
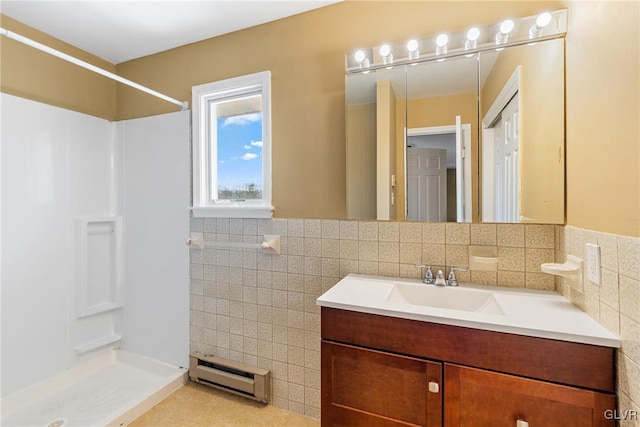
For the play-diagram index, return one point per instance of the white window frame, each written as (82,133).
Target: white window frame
(203,169)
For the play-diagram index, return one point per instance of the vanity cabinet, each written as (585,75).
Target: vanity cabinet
(386,371)
(476,397)
(375,388)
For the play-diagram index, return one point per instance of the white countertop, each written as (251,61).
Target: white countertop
(542,314)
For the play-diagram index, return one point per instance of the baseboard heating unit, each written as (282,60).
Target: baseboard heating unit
(237,378)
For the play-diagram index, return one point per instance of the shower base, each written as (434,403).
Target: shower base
(112,389)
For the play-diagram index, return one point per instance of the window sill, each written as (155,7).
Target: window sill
(232,212)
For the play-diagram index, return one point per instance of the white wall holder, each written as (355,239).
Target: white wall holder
(97,343)
(571,269)
(270,243)
(483,258)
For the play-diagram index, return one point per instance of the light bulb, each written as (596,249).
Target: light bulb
(503,34)
(387,56)
(472,38)
(362,59)
(507,26)
(473,34)
(441,44)
(543,20)
(412,47)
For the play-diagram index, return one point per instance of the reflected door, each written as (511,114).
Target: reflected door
(426,184)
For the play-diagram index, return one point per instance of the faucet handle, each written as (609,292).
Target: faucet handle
(428,274)
(452,280)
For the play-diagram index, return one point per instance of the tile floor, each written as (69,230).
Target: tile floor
(196,405)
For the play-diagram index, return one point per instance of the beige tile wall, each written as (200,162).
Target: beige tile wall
(260,309)
(615,303)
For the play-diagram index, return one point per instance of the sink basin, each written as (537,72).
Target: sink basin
(491,308)
(445,297)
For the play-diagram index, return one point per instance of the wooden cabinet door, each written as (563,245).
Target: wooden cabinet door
(479,398)
(362,387)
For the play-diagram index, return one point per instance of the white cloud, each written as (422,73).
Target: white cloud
(256,143)
(243,119)
(247,147)
(221,161)
(249,156)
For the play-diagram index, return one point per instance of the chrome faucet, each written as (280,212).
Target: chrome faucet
(428,278)
(440,279)
(452,280)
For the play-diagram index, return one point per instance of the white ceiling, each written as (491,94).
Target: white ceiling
(119,31)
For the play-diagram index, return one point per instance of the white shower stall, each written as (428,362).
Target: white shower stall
(94,265)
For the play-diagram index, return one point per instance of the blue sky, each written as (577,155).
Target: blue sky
(240,151)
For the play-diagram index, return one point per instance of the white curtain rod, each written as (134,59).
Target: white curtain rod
(183,105)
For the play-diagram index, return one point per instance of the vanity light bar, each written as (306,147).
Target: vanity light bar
(510,32)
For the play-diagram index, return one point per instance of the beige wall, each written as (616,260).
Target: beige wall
(305,55)
(361,158)
(603,110)
(283,333)
(386,150)
(541,109)
(31,74)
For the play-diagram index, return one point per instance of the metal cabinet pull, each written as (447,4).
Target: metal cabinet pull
(522,423)
(435,387)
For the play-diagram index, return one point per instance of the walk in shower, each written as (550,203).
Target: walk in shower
(94,265)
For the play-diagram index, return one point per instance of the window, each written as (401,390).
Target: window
(232,147)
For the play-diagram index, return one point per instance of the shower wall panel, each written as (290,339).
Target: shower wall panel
(156,152)
(56,165)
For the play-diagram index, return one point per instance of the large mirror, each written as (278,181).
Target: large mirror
(522,134)
(472,138)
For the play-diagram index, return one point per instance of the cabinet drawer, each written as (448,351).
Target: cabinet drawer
(569,363)
(369,387)
(479,398)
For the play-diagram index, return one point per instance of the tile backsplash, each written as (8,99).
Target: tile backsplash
(615,303)
(260,309)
